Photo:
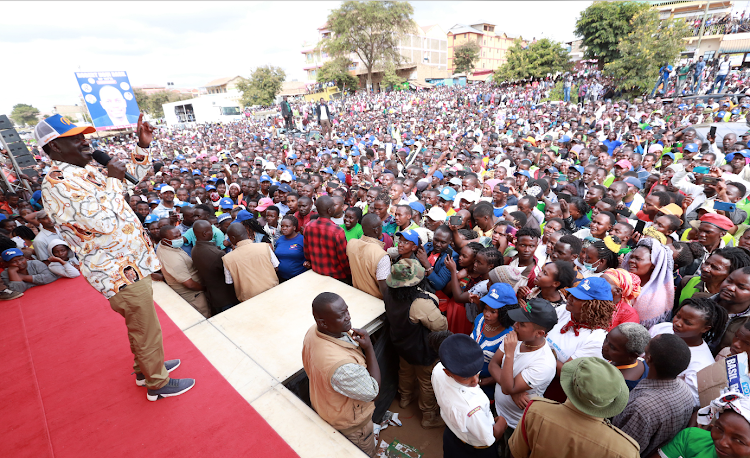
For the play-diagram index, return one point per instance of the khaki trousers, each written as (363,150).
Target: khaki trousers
(363,437)
(412,377)
(135,303)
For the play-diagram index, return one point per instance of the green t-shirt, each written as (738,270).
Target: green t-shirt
(691,443)
(354,233)
(744,204)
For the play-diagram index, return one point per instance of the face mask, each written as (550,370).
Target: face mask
(176,243)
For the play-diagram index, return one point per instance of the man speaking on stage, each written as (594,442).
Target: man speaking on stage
(116,255)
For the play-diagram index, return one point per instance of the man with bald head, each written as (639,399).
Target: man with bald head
(250,267)
(207,261)
(369,262)
(179,271)
(325,243)
(343,371)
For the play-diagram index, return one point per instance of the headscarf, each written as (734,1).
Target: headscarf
(55,242)
(732,400)
(654,305)
(493,182)
(234,185)
(630,285)
(508,274)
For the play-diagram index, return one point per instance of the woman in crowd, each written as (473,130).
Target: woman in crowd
(554,277)
(290,250)
(490,326)
(581,326)
(626,287)
(727,436)
(623,347)
(596,257)
(468,285)
(697,321)
(714,270)
(652,262)
(740,343)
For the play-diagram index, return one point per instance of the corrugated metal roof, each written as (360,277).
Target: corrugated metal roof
(735,46)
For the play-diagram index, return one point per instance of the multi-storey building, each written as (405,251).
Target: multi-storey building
(493,45)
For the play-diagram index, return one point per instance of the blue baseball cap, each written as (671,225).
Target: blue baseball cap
(720,114)
(341,176)
(410,235)
(729,157)
(592,288)
(3,217)
(438,174)
(283,187)
(671,155)
(500,295)
(577,168)
(461,355)
(184,170)
(55,127)
(524,173)
(417,206)
(226,202)
(692,147)
(11,253)
(223,217)
(565,139)
(151,218)
(210,188)
(633,181)
(265,177)
(327,170)
(447,193)
(243,215)
(180,157)
(197,172)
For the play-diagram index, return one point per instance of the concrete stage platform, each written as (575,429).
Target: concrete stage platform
(257,346)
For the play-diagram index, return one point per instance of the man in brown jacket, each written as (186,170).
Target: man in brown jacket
(343,371)
(369,262)
(207,261)
(251,267)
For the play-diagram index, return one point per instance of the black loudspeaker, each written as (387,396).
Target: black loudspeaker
(5,123)
(18,149)
(10,136)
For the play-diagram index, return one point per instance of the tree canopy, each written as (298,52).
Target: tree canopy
(603,24)
(338,70)
(23,114)
(537,60)
(370,30)
(262,87)
(152,103)
(390,78)
(651,44)
(465,56)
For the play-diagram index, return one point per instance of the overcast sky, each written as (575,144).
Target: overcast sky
(192,43)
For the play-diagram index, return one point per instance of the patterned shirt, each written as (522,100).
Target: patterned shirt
(657,410)
(325,247)
(99,225)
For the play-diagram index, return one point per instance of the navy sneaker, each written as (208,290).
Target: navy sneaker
(175,387)
(171,365)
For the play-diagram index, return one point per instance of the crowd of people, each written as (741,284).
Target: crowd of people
(554,275)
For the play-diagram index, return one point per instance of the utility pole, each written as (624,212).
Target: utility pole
(703,28)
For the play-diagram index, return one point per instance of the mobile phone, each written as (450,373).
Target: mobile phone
(510,229)
(712,131)
(503,188)
(710,180)
(565,197)
(639,226)
(724,206)
(456,220)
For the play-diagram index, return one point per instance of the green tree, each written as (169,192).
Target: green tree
(152,103)
(603,25)
(338,70)
(142,99)
(539,59)
(23,114)
(390,78)
(370,30)
(87,118)
(651,44)
(262,87)
(465,56)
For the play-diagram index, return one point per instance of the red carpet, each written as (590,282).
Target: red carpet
(68,391)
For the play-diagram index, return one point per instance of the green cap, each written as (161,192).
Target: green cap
(594,386)
(406,272)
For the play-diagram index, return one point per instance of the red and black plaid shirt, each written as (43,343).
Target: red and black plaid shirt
(325,247)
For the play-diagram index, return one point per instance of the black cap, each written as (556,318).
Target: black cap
(461,355)
(538,311)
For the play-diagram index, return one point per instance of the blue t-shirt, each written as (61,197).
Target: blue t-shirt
(291,256)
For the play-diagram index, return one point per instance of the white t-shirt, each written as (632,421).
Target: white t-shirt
(587,343)
(700,357)
(537,369)
(723,68)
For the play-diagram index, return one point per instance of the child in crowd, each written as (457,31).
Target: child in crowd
(63,262)
(22,274)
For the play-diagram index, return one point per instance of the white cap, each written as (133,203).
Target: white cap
(437,214)
(166,189)
(285,177)
(270,166)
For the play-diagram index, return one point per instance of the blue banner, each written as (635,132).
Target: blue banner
(109,99)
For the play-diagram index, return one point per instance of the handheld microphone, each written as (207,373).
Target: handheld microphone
(103,158)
